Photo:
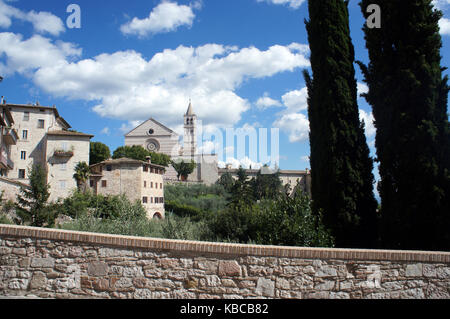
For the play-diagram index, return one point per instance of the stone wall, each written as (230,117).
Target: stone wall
(48,263)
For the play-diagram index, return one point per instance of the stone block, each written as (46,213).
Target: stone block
(229,268)
(265,287)
(97,269)
(42,262)
(326,271)
(414,270)
(38,281)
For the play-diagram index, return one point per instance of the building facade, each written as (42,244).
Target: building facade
(137,180)
(43,138)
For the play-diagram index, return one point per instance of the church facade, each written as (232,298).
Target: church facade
(156,137)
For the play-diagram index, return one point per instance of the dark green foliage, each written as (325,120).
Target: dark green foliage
(32,207)
(227,181)
(99,152)
(286,221)
(195,200)
(139,153)
(183,169)
(242,193)
(341,168)
(81,176)
(105,207)
(409,96)
(267,186)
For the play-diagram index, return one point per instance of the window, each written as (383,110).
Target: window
(23,155)
(62,184)
(160,185)
(104,184)
(21,173)
(151,200)
(41,123)
(161,200)
(109,168)
(151,185)
(145,184)
(156,200)
(25,134)
(26,116)
(156,185)
(144,200)
(91,182)
(64,146)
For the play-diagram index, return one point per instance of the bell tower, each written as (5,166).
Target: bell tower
(190,132)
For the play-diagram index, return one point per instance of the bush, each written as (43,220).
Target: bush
(286,221)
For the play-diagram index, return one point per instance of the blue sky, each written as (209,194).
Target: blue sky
(240,61)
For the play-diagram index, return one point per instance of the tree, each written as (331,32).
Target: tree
(99,152)
(82,173)
(242,194)
(139,153)
(267,186)
(341,168)
(32,204)
(409,97)
(183,169)
(227,181)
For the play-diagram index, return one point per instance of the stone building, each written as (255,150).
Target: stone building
(44,138)
(156,137)
(8,138)
(137,180)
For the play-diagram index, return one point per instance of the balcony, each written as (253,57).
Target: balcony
(5,162)
(62,153)
(10,136)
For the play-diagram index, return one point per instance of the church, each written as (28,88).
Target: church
(156,137)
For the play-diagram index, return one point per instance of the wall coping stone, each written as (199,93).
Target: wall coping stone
(224,248)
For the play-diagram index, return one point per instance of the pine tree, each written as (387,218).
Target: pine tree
(408,94)
(341,168)
(32,204)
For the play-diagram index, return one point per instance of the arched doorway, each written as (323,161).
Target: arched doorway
(157,216)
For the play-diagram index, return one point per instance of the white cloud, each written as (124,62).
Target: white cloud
(37,52)
(296,125)
(369,123)
(165,17)
(43,22)
(441,4)
(296,100)
(106,131)
(444,25)
(266,102)
(244,162)
(362,88)
(131,88)
(295,4)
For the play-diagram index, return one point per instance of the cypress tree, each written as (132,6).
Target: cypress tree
(341,167)
(408,94)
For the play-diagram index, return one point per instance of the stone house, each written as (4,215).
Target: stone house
(137,180)
(43,137)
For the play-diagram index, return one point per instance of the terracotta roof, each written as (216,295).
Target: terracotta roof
(68,133)
(52,108)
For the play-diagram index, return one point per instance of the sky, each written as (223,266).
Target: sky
(240,62)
